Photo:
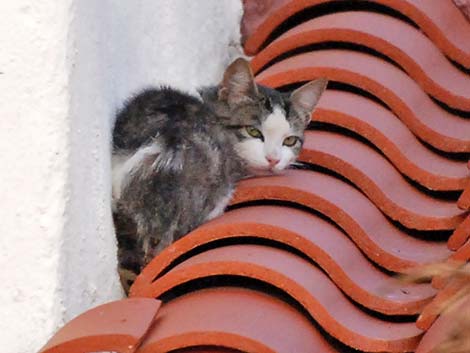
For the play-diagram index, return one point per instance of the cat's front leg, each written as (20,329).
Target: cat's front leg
(221,204)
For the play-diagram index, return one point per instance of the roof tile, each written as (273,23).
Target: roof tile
(117,326)
(397,40)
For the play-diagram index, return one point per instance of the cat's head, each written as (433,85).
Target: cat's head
(269,125)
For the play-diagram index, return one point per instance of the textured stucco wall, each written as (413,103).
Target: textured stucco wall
(65,68)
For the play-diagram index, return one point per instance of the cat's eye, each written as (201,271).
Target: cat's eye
(254,132)
(290,141)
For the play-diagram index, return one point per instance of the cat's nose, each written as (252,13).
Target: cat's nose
(272,161)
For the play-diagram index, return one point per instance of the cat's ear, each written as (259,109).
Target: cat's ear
(305,98)
(238,85)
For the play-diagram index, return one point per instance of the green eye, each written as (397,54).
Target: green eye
(254,132)
(290,141)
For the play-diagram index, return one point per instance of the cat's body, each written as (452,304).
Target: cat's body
(184,154)
(177,158)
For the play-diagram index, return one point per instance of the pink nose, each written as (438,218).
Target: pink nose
(272,161)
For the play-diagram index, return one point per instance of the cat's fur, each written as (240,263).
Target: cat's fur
(177,158)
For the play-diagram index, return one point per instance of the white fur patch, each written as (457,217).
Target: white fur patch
(256,152)
(220,207)
(275,129)
(124,165)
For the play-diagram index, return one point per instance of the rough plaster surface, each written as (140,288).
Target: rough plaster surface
(66,66)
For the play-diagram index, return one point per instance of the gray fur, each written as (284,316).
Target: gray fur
(193,165)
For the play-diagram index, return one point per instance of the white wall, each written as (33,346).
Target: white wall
(65,68)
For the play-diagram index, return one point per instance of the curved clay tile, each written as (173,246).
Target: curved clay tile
(444,328)
(380,181)
(404,44)
(306,284)
(463,253)
(385,131)
(206,350)
(385,244)
(464,6)
(464,200)
(426,119)
(118,326)
(445,25)
(317,239)
(233,318)
(460,235)
(433,309)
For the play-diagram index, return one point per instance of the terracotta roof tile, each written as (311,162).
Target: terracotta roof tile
(464,200)
(463,253)
(380,181)
(464,6)
(445,325)
(460,235)
(372,232)
(397,40)
(445,25)
(386,132)
(206,350)
(432,310)
(235,318)
(117,326)
(306,284)
(312,236)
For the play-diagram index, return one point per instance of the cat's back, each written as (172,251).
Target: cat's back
(159,112)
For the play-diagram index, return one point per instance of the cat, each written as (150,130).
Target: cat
(177,158)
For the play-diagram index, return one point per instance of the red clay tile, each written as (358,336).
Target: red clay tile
(426,119)
(382,242)
(440,330)
(440,281)
(385,131)
(432,310)
(314,237)
(460,235)
(206,350)
(254,14)
(464,6)
(404,44)
(464,200)
(233,318)
(463,253)
(380,181)
(118,326)
(445,25)
(306,284)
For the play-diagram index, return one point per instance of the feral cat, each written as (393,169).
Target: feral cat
(177,158)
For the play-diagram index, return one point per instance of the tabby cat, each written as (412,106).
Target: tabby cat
(177,158)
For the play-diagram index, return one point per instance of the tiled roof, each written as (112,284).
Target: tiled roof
(445,25)
(306,261)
